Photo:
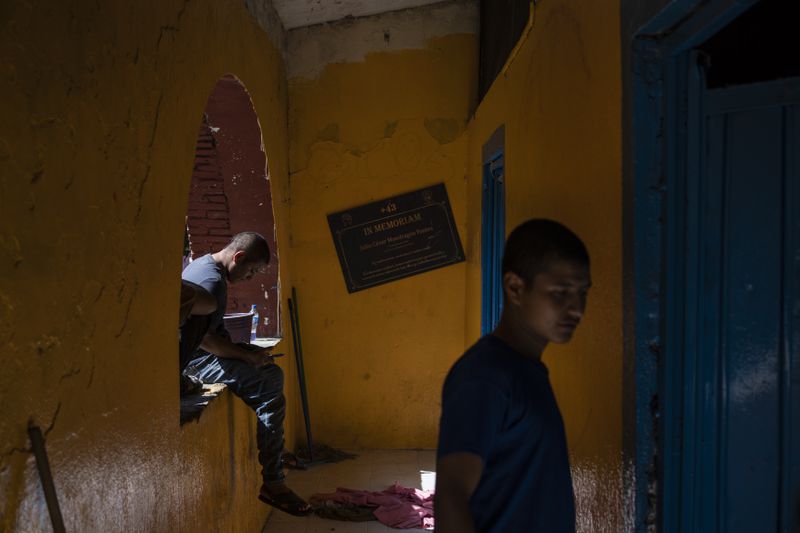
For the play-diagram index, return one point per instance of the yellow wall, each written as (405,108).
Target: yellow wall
(101,104)
(362,131)
(559,98)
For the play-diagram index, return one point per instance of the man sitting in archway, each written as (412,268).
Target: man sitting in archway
(208,354)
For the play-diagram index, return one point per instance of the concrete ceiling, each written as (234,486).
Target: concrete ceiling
(299,13)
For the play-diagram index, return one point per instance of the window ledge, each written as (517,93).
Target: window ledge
(192,405)
(266,342)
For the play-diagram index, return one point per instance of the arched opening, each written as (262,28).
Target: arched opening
(230,193)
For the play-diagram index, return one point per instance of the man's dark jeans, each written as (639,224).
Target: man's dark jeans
(262,390)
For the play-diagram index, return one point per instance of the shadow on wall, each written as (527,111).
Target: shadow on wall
(230,193)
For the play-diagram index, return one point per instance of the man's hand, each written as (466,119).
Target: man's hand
(457,477)
(223,347)
(259,358)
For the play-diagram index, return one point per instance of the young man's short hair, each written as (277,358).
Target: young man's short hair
(253,244)
(534,244)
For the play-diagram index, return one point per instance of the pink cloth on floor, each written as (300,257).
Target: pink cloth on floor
(397,506)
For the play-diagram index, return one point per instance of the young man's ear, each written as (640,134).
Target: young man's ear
(514,287)
(239,256)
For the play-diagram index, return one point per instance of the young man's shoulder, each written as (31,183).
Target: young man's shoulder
(201,268)
(487,361)
(205,273)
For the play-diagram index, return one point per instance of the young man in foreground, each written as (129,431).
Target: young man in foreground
(209,355)
(502,458)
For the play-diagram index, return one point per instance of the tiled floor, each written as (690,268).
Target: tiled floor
(372,469)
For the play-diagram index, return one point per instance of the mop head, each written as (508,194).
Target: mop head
(320,454)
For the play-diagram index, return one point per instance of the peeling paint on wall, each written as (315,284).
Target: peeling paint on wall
(445,130)
(102,103)
(329,133)
(391,127)
(12,249)
(391,123)
(297,13)
(6,320)
(269,20)
(311,48)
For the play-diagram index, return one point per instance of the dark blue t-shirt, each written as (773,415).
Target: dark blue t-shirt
(204,272)
(499,405)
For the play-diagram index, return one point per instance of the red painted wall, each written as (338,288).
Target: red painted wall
(208,215)
(230,193)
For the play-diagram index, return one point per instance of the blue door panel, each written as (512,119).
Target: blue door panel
(497,170)
(751,319)
(493,218)
(790,385)
(740,460)
(701,494)
(487,245)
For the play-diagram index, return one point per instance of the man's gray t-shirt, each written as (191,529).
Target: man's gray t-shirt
(205,273)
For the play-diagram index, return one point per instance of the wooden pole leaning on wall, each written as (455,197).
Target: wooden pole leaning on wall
(301,373)
(46,477)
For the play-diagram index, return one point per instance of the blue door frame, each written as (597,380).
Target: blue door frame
(662,101)
(493,228)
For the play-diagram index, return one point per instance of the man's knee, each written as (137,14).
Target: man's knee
(274,374)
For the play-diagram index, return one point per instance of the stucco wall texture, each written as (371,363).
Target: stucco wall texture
(367,127)
(101,103)
(559,97)
(370,126)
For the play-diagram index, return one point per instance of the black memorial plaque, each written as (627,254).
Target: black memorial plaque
(395,238)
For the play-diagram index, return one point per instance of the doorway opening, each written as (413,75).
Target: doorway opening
(493,230)
(230,192)
(717,268)
(755,47)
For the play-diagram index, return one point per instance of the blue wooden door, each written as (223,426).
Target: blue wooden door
(741,440)
(493,228)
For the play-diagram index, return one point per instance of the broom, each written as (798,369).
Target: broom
(312,454)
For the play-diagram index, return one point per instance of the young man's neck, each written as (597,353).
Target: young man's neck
(223,258)
(527,344)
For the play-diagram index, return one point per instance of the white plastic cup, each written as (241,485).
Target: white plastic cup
(427,480)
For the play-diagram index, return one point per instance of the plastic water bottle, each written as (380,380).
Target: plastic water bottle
(254,326)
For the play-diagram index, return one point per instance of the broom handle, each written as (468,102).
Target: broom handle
(301,374)
(46,477)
